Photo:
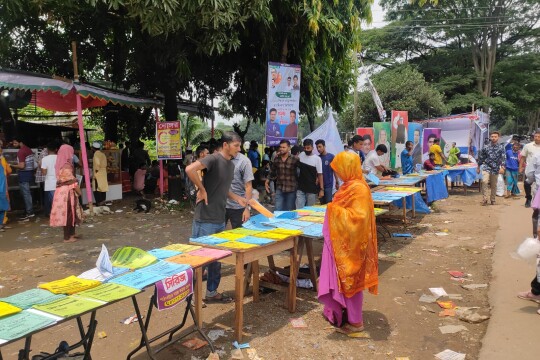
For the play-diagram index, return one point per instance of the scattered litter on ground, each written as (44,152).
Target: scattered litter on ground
(450,355)
(438,292)
(448,221)
(102,334)
(455,296)
(404,235)
(489,246)
(430,250)
(446,304)
(240,346)
(474,286)
(194,343)
(468,314)
(130,320)
(427,299)
(215,334)
(298,323)
(452,329)
(252,354)
(456,274)
(359,335)
(395,255)
(441,233)
(447,312)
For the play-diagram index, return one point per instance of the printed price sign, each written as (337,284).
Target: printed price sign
(173,290)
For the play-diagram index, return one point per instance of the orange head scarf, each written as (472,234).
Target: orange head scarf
(353,233)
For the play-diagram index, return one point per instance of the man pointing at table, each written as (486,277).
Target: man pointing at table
(214,189)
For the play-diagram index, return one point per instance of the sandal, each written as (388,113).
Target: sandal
(348,329)
(527,295)
(219,299)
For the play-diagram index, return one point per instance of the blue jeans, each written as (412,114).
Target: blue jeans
(213,278)
(27,197)
(48,199)
(305,199)
(285,200)
(328,195)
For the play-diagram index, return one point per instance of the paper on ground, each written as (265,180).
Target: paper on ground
(450,355)
(438,292)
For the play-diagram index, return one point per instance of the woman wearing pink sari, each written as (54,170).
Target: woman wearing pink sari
(66,208)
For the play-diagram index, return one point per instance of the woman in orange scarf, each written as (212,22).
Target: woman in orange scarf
(349,258)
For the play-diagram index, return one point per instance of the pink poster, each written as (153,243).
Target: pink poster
(430,134)
(369,138)
(173,290)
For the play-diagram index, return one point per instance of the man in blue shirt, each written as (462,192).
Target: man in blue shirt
(511,173)
(328,173)
(253,154)
(407,158)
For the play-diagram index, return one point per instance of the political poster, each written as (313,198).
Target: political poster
(400,123)
(415,135)
(173,290)
(168,142)
(429,135)
(382,137)
(369,138)
(282,103)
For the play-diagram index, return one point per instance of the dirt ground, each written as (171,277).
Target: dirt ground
(397,323)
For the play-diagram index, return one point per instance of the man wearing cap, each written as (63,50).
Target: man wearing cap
(100,186)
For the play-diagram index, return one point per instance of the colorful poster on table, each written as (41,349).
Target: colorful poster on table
(174,289)
(382,137)
(400,123)
(168,142)
(369,138)
(429,135)
(415,135)
(282,103)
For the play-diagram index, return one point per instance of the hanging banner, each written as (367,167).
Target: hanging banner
(428,137)
(400,123)
(415,135)
(282,103)
(377,101)
(382,137)
(369,138)
(173,290)
(168,143)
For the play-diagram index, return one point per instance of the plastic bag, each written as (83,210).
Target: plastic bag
(529,249)
(500,185)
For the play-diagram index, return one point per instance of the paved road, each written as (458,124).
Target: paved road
(514,328)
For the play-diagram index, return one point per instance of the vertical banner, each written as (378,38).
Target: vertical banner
(400,123)
(377,101)
(369,139)
(382,137)
(430,134)
(415,135)
(168,144)
(282,103)
(173,290)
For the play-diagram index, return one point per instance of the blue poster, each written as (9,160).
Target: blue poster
(282,103)
(415,135)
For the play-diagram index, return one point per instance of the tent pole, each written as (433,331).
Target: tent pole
(160,161)
(82,139)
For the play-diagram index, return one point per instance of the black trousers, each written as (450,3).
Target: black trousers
(235,216)
(535,285)
(100,197)
(528,191)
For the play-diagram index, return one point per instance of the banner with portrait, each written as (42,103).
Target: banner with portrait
(282,103)
(429,135)
(415,135)
(382,137)
(400,123)
(369,138)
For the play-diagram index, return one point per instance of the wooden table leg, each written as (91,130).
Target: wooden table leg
(255,271)
(239,297)
(247,278)
(404,204)
(292,284)
(199,296)
(311,262)
(271,263)
(413,206)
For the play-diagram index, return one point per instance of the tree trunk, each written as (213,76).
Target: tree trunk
(240,132)
(110,125)
(170,109)
(285,47)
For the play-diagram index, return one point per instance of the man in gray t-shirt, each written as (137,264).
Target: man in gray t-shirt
(214,189)
(241,185)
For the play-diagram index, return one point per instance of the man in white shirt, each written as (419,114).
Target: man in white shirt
(310,177)
(526,166)
(373,163)
(48,171)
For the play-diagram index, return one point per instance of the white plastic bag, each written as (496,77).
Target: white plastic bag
(529,249)
(500,185)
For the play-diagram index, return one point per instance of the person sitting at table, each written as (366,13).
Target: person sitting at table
(429,164)
(349,257)
(373,163)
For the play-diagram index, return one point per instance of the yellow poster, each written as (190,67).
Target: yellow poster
(168,143)
(7,309)
(69,285)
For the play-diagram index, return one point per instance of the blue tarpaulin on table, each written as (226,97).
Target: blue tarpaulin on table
(468,176)
(420,205)
(436,187)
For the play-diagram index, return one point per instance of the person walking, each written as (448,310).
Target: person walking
(407,158)
(4,200)
(48,171)
(526,166)
(349,257)
(26,166)
(100,186)
(310,177)
(512,168)
(283,172)
(492,162)
(241,185)
(66,210)
(328,173)
(253,155)
(6,169)
(213,191)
